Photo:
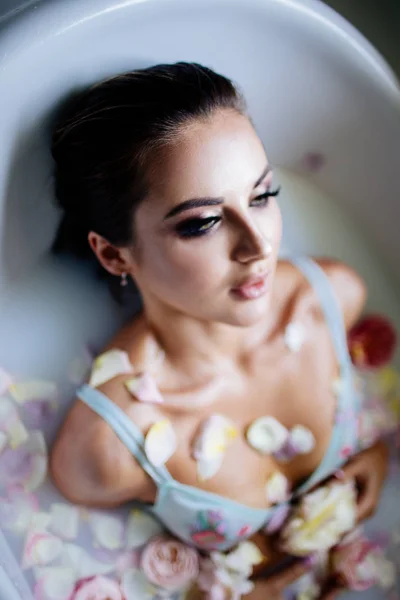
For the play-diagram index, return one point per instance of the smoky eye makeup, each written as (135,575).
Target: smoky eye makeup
(196,226)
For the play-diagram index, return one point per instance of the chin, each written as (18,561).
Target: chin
(248,314)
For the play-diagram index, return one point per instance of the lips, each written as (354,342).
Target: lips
(252,287)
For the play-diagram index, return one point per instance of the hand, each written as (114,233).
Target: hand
(273,587)
(368,469)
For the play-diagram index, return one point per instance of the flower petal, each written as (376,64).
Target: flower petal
(278,518)
(302,439)
(38,473)
(107,530)
(54,583)
(26,391)
(8,414)
(277,488)
(3,441)
(82,563)
(65,520)
(208,468)
(295,336)
(134,585)
(38,413)
(40,548)
(144,388)
(141,527)
(17,510)
(216,433)
(5,381)
(160,442)
(267,435)
(97,588)
(109,365)
(17,434)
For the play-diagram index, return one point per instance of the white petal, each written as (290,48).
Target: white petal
(26,391)
(40,521)
(135,586)
(208,468)
(107,530)
(295,335)
(17,434)
(38,473)
(141,527)
(267,435)
(17,511)
(5,381)
(144,388)
(3,441)
(54,583)
(216,433)
(109,365)
(82,563)
(160,442)
(40,549)
(277,488)
(8,414)
(65,520)
(302,439)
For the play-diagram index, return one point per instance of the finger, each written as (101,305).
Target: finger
(332,593)
(281,580)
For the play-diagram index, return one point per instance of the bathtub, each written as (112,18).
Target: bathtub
(324,102)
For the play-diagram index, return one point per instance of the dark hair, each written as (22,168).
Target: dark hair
(106,136)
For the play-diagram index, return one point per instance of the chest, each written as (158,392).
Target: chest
(296,388)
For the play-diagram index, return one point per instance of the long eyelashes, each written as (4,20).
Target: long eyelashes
(202,226)
(196,227)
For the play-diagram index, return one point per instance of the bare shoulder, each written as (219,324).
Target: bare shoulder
(88,462)
(348,286)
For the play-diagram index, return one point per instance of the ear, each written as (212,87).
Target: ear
(115,260)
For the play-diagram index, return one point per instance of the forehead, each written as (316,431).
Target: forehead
(211,157)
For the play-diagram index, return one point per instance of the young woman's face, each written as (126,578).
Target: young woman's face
(208,234)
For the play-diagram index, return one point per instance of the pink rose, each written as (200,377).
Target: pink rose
(356,562)
(97,588)
(168,563)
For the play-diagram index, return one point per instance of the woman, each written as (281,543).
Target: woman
(162,176)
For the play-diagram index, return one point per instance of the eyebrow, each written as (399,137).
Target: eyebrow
(197,202)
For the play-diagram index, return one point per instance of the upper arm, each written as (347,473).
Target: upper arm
(90,465)
(349,288)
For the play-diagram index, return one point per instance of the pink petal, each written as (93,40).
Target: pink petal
(144,388)
(40,548)
(97,588)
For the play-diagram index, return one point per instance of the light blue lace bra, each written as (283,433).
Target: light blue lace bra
(212,522)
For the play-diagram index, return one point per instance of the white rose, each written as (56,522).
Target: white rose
(321,519)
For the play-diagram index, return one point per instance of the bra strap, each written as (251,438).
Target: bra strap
(323,288)
(124,428)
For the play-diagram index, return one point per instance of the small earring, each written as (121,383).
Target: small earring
(124,280)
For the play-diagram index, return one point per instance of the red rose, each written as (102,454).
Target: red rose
(372,342)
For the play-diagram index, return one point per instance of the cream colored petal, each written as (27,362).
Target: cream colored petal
(40,548)
(267,435)
(109,365)
(17,434)
(302,439)
(65,520)
(208,468)
(136,587)
(82,563)
(160,443)
(295,336)
(144,388)
(54,583)
(26,391)
(216,433)
(141,527)
(5,381)
(277,488)
(107,530)
(38,473)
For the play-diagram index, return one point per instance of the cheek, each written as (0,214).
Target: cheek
(193,264)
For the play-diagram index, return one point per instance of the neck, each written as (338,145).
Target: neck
(202,347)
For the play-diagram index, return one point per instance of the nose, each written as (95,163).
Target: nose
(252,245)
